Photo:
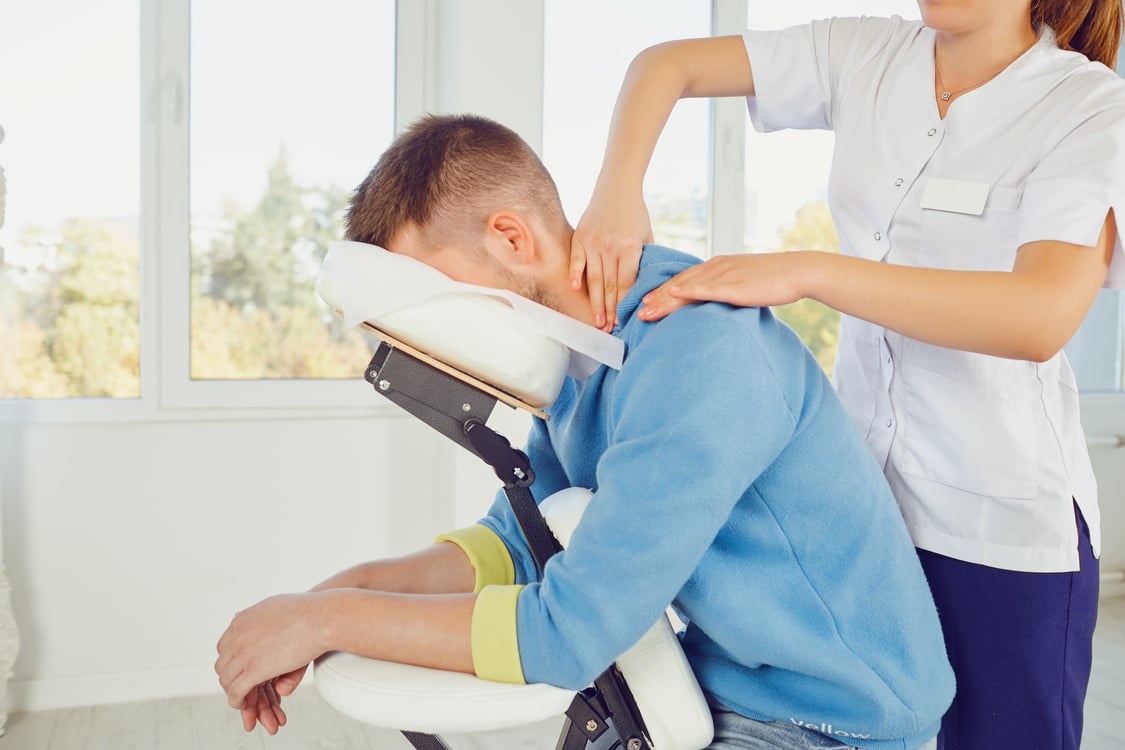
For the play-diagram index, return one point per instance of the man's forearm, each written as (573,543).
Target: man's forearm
(425,630)
(438,569)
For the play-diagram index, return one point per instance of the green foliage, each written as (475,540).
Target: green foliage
(239,345)
(78,335)
(268,257)
(72,327)
(255,312)
(818,325)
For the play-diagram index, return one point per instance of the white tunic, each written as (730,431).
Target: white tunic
(983,453)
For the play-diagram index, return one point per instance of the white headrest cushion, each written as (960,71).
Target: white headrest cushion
(474,332)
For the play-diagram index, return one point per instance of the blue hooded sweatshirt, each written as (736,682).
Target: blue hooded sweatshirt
(729,483)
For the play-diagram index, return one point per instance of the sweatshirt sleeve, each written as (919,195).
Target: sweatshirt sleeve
(487,553)
(675,467)
(495,646)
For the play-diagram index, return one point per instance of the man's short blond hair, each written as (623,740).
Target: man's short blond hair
(447,174)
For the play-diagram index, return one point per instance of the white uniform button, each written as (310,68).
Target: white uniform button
(898,182)
(889,422)
(878,236)
(931,131)
(888,359)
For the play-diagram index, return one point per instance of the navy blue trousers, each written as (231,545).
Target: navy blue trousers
(1020,646)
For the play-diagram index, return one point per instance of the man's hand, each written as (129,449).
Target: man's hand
(264,653)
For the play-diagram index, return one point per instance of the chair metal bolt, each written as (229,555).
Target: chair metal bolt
(591,726)
(384,385)
(372,374)
(634,744)
(466,407)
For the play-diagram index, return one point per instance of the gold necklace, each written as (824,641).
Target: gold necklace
(946,95)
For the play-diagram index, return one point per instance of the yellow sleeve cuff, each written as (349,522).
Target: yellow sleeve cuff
(487,554)
(496,651)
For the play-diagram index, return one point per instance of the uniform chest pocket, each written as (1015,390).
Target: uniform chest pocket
(966,242)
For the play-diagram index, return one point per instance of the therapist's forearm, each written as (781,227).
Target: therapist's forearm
(653,84)
(1005,314)
(656,79)
(427,631)
(441,568)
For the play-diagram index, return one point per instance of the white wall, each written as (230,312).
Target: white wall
(129,546)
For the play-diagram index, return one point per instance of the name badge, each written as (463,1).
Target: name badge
(957,196)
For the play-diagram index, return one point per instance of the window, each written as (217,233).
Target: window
(69,262)
(587,47)
(202,193)
(290,107)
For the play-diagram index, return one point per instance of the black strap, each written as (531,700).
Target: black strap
(514,469)
(425,741)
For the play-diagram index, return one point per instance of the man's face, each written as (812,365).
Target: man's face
(471,265)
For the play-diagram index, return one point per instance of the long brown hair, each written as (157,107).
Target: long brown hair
(1092,27)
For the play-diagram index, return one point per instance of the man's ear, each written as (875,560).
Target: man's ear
(510,240)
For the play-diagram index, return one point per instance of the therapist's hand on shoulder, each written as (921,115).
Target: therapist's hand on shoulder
(607,248)
(746,280)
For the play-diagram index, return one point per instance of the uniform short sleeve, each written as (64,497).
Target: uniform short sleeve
(798,71)
(1076,183)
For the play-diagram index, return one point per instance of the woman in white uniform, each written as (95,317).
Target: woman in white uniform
(976,187)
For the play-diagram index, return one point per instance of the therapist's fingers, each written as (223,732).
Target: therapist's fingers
(672,294)
(609,284)
(577,262)
(595,288)
(660,303)
(627,261)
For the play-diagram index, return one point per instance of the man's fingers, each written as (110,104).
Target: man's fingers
(249,713)
(287,683)
(275,704)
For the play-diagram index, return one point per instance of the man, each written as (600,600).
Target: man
(728,482)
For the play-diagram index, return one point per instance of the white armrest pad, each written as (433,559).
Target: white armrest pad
(434,701)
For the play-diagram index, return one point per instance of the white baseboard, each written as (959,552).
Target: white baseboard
(123,687)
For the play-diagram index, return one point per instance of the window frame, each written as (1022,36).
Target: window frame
(177,389)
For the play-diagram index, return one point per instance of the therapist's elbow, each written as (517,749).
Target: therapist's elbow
(1038,347)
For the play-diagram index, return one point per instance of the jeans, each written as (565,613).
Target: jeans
(736,732)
